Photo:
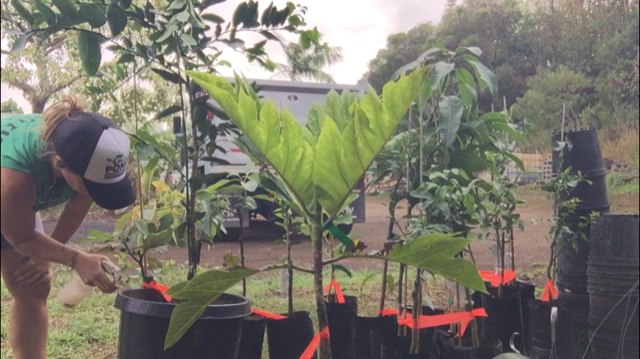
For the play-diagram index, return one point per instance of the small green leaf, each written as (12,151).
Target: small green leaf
(168,76)
(167,32)
(239,14)
(213,18)
(177,5)
(128,57)
(93,14)
(199,293)
(188,40)
(23,11)
(183,16)
(46,11)
(117,19)
(268,35)
(67,8)
(451,110)
(167,112)
(474,50)
(19,44)
(343,269)
(90,51)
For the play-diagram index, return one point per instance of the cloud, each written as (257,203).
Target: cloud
(359,27)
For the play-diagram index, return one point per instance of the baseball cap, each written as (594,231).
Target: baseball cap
(93,147)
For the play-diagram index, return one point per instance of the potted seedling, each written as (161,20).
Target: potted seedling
(319,173)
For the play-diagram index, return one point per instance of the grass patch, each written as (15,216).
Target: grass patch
(621,184)
(90,330)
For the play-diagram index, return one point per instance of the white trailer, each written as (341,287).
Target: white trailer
(297,97)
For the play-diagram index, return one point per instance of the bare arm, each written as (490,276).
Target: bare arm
(18,227)
(71,218)
(18,221)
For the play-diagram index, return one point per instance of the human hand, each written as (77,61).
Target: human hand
(90,270)
(32,273)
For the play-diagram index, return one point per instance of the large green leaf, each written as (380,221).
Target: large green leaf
(199,293)
(486,78)
(117,18)
(329,171)
(93,14)
(434,253)
(341,158)
(451,110)
(337,107)
(90,51)
(467,159)
(439,72)
(277,135)
(46,11)
(67,8)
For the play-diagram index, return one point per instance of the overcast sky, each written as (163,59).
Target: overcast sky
(359,27)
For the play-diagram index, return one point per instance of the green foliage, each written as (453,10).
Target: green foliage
(310,172)
(10,106)
(550,93)
(433,253)
(199,293)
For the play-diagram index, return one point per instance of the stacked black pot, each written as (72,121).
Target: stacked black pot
(613,287)
(582,155)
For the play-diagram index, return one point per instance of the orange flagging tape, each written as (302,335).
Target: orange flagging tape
(339,295)
(159,287)
(268,315)
(311,349)
(495,277)
(430,321)
(389,312)
(550,291)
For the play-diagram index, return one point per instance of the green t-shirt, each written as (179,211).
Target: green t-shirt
(22,151)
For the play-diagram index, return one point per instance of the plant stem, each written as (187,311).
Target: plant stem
(416,312)
(474,324)
(289,266)
(383,291)
(459,309)
(244,281)
(323,320)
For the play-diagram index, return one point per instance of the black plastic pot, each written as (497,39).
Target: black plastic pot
(342,326)
(288,338)
(573,325)
(539,330)
(367,342)
(398,347)
(144,321)
(252,339)
(613,273)
(585,156)
(507,315)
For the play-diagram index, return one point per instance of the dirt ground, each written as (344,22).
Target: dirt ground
(531,247)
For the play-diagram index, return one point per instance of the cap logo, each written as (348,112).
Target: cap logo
(116,167)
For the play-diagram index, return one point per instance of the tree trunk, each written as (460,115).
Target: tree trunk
(323,321)
(38,103)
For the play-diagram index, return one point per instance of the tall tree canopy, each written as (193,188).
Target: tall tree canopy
(545,54)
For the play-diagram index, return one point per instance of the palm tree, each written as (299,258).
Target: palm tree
(308,64)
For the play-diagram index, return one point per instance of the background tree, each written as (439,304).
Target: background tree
(402,48)
(40,66)
(308,63)
(10,106)
(544,53)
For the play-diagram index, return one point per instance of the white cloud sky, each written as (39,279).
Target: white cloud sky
(359,27)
